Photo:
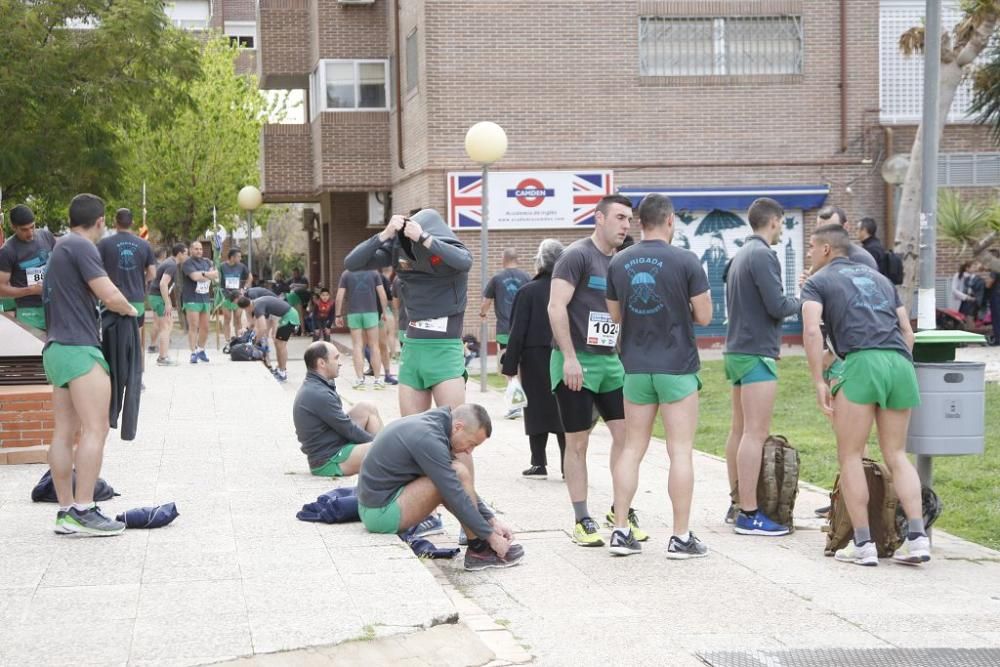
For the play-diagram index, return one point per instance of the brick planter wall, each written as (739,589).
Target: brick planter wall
(26,424)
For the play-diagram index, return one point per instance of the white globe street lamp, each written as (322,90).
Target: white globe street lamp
(485,143)
(249,200)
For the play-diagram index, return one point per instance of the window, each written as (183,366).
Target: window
(348,85)
(728,46)
(968,169)
(244,42)
(901,78)
(412,62)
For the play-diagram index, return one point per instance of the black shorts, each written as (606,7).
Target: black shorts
(579,409)
(284,332)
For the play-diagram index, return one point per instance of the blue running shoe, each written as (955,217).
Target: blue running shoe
(758,524)
(202,356)
(194,357)
(432,525)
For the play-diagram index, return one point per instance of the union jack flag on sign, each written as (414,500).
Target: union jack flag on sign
(527,200)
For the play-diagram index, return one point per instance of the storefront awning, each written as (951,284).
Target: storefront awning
(738,198)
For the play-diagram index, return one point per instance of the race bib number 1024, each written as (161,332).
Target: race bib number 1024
(602,331)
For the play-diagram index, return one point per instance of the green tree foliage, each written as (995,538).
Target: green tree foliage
(206,152)
(73,74)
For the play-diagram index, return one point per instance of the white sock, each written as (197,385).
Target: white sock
(83,508)
(64,508)
(686,537)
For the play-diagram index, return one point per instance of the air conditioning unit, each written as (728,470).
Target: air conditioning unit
(356,2)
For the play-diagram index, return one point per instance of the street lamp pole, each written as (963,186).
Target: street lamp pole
(485,143)
(928,186)
(250,241)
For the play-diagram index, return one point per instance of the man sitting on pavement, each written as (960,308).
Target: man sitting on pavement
(869,328)
(334,441)
(419,462)
(270,312)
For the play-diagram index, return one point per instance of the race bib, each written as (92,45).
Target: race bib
(438,324)
(201,287)
(602,330)
(35,275)
(232,282)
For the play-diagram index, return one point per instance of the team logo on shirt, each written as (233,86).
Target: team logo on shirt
(126,256)
(867,294)
(643,299)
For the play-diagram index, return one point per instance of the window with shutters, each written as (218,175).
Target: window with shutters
(969,170)
(720,46)
(901,87)
(412,61)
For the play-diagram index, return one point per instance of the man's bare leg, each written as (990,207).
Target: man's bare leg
(67,425)
(735,435)
(757,400)
(680,421)
(227,323)
(281,352)
(420,497)
(358,353)
(575,465)
(413,401)
(450,393)
(638,426)
(192,322)
(366,415)
(371,338)
(91,395)
(892,428)
(352,466)
(852,424)
(202,329)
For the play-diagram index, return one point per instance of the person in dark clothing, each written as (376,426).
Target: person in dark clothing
(993,289)
(975,289)
(870,242)
(529,348)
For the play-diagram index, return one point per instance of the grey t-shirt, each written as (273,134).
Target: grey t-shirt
(654,283)
(270,306)
(196,291)
(26,263)
(126,258)
(169,267)
(859,307)
(257,292)
(501,288)
(233,276)
(70,306)
(858,254)
(360,286)
(585,267)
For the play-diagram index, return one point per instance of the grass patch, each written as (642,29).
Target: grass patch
(967,485)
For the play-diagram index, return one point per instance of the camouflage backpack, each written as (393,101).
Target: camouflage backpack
(778,484)
(882,508)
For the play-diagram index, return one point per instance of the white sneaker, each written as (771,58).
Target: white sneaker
(359,383)
(863,555)
(913,552)
(379,383)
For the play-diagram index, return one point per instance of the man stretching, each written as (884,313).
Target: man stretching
(658,292)
(870,330)
(585,370)
(74,364)
(197,299)
(365,295)
(334,442)
(271,313)
(756,306)
(160,301)
(419,462)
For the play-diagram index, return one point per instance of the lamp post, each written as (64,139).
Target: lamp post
(249,200)
(485,143)
(926,318)
(894,173)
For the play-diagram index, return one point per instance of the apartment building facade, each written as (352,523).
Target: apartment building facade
(713,101)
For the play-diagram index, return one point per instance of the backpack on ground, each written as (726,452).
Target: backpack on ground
(45,489)
(245,352)
(892,267)
(245,337)
(778,484)
(883,505)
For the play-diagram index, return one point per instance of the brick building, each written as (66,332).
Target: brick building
(715,101)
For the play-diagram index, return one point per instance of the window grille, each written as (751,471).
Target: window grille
(969,169)
(412,61)
(721,46)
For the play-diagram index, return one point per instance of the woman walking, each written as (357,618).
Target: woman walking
(527,356)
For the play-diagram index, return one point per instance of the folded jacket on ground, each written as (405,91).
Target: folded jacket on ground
(336,506)
(149,517)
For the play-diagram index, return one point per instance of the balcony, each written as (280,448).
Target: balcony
(286,163)
(351,151)
(283,54)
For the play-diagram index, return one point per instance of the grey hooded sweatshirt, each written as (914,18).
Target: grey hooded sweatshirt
(432,282)
(413,447)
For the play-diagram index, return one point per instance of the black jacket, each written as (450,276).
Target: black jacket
(529,321)
(123,352)
(877,251)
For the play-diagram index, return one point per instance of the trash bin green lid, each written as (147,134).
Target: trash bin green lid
(937,345)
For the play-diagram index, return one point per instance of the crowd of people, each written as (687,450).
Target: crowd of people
(604,330)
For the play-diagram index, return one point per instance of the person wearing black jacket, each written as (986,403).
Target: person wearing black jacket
(528,350)
(866,232)
(122,349)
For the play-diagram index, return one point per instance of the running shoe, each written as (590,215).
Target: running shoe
(866,554)
(432,525)
(359,383)
(913,552)
(202,356)
(60,527)
(823,512)
(514,413)
(758,524)
(391,379)
(487,558)
(165,361)
(281,376)
(677,549)
(91,522)
(633,522)
(152,349)
(379,383)
(732,513)
(585,533)
(623,544)
(536,472)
